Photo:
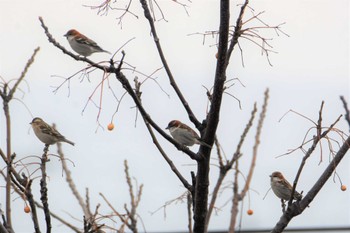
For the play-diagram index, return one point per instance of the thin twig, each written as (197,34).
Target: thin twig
(190,113)
(316,140)
(256,145)
(70,181)
(7,95)
(224,168)
(347,111)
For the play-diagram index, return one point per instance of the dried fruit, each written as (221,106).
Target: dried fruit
(250,212)
(343,187)
(110,126)
(26,209)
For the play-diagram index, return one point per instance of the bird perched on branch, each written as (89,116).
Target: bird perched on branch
(282,188)
(183,134)
(46,133)
(82,44)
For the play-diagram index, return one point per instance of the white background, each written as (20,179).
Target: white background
(311,65)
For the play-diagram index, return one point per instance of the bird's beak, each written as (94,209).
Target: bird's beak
(270,175)
(167,127)
(65,35)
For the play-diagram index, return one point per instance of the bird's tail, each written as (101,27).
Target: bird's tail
(70,142)
(204,143)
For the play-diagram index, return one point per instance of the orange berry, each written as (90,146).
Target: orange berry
(110,126)
(26,209)
(217,55)
(250,212)
(343,187)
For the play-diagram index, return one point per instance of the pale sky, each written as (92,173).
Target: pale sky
(311,65)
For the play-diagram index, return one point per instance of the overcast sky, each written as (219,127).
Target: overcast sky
(311,65)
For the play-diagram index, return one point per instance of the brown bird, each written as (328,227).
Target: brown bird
(282,188)
(46,133)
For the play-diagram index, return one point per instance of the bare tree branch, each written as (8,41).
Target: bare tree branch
(22,185)
(58,218)
(7,95)
(159,147)
(225,168)
(347,111)
(134,201)
(298,207)
(202,176)
(316,140)
(240,196)
(71,183)
(237,32)
(43,190)
(126,85)
(256,145)
(190,113)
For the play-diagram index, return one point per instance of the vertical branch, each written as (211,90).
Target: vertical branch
(235,200)
(8,155)
(224,168)
(214,196)
(239,196)
(132,215)
(220,74)
(202,177)
(256,145)
(71,183)
(347,111)
(29,196)
(43,189)
(7,95)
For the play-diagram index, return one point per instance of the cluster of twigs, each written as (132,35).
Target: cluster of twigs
(125,9)
(12,178)
(198,186)
(322,133)
(129,219)
(241,30)
(22,182)
(93,219)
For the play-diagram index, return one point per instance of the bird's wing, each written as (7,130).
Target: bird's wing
(47,129)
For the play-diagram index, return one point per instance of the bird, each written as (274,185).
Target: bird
(282,188)
(82,44)
(46,133)
(183,134)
